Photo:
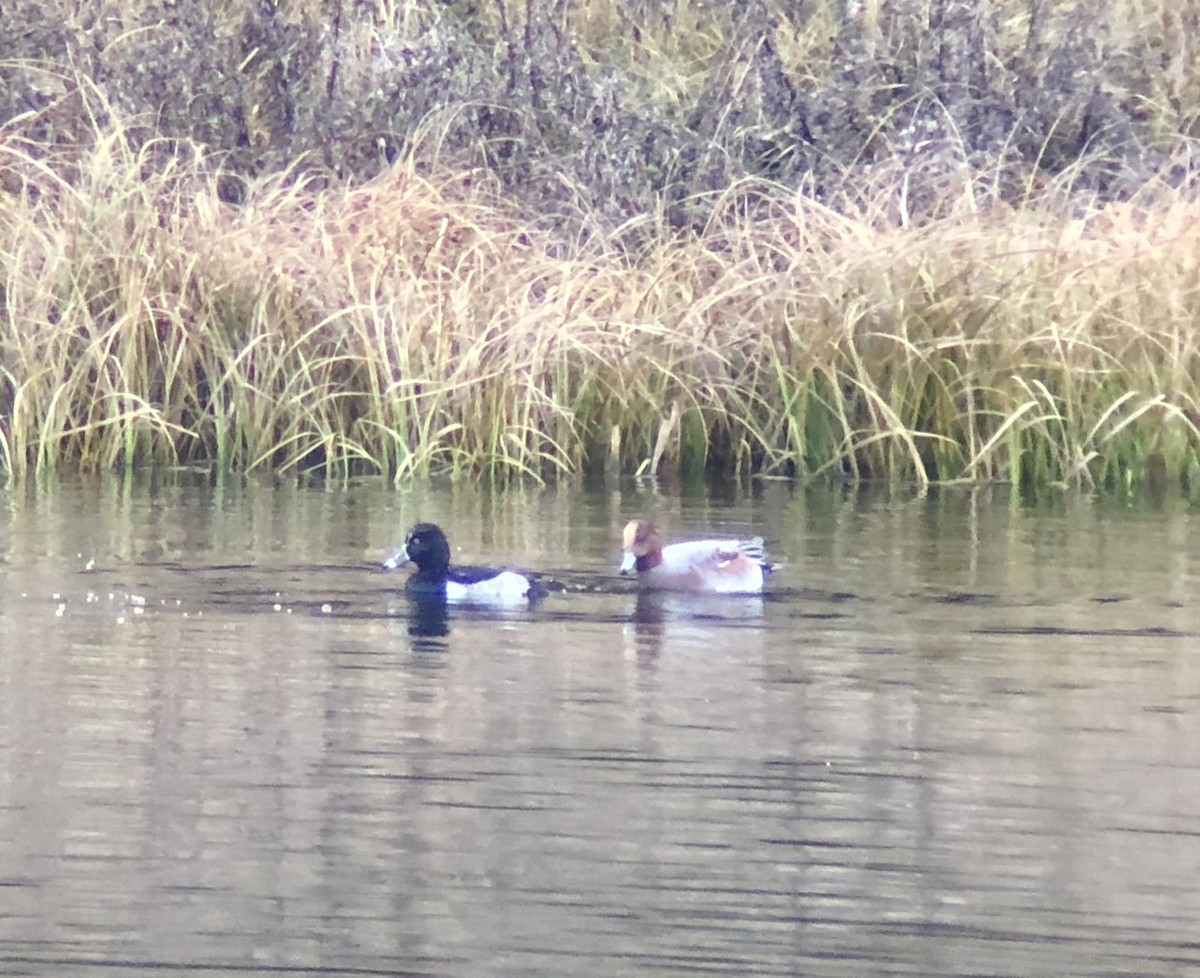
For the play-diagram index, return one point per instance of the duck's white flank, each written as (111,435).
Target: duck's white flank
(505,586)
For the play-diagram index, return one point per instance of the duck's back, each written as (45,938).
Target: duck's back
(721,566)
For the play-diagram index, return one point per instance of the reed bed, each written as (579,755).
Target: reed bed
(416,325)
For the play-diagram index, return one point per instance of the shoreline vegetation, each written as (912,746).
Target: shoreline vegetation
(939,242)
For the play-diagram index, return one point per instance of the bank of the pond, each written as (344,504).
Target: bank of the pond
(415,324)
(925,242)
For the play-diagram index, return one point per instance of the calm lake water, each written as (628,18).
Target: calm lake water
(960,736)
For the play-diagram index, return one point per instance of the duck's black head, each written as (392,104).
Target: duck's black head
(428,548)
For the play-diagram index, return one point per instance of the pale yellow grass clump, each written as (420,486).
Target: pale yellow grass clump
(416,325)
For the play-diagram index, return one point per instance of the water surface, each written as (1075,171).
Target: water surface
(958,736)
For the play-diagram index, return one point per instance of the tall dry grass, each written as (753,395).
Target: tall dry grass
(416,324)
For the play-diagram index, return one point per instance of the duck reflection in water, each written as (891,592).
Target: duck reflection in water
(661,617)
(428,616)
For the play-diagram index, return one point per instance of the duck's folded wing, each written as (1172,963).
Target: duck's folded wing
(752,549)
(700,555)
(468,574)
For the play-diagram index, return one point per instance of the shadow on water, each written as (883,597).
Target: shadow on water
(955,737)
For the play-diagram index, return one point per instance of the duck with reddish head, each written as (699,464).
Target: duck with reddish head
(704,566)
